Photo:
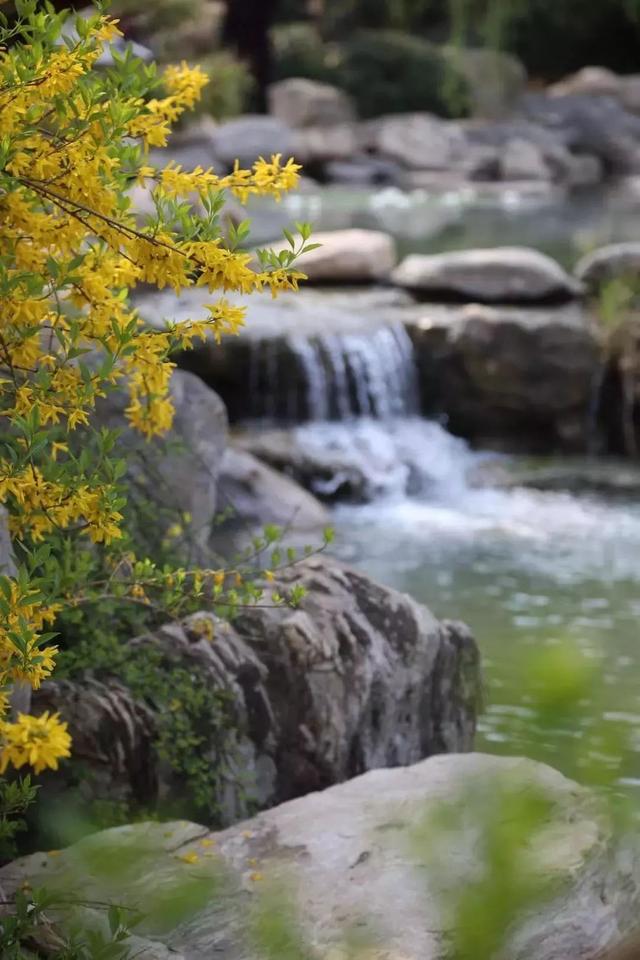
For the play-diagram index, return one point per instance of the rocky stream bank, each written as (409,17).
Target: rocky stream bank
(346,718)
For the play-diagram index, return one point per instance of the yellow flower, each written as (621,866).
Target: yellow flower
(72,251)
(191,857)
(39,742)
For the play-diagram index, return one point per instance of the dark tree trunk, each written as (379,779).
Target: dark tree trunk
(246,30)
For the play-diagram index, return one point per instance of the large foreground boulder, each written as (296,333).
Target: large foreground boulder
(517,378)
(358,676)
(491,275)
(354,858)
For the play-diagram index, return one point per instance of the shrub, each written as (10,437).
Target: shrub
(298,51)
(384,71)
(391,72)
(229,95)
(73,139)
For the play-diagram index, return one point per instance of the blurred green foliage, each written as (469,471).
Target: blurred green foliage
(552,37)
(384,71)
(298,51)
(229,90)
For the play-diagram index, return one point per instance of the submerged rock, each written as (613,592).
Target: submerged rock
(492,275)
(334,467)
(361,856)
(358,676)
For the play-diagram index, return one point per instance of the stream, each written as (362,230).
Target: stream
(562,225)
(526,569)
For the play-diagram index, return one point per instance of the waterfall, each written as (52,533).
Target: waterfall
(334,376)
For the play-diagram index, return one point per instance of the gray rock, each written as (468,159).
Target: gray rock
(250,137)
(348,256)
(595,125)
(358,676)
(420,141)
(259,495)
(523,160)
(520,379)
(175,474)
(517,150)
(589,80)
(351,858)
(630,92)
(345,469)
(363,460)
(617,261)
(363,170)
(320,145)
(584,170)
(482,162)
(494,275)
(300,102)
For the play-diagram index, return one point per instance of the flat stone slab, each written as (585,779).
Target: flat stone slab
(349,858)
(492,275)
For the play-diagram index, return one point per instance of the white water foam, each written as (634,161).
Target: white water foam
(418,476)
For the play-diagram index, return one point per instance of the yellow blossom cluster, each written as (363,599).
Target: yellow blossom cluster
(73,141)
(39,742)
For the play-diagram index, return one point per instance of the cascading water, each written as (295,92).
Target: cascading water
(334,376)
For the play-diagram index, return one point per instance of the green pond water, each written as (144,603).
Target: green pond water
(528,571)
(562,225)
